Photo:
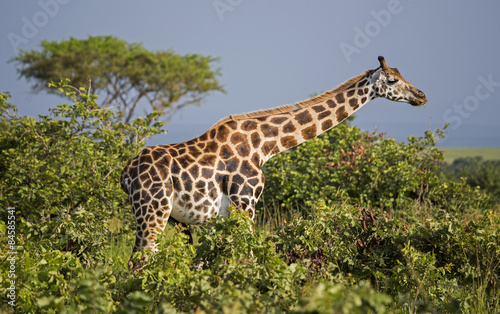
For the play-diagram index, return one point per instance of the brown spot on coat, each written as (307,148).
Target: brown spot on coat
(256,159)
(304,117)
(278,120)
(207,160)
(173,152)
(232,164)
(144,168)
(243,149)
(203,138)
(213,132)
(255,138)
(269,130)
(249,125)
(246,190)
(258,191)
(288,141)
(226,152)
(326,125)
(176,183)
(340,98)
(324,114)
(207,173)
(331,103)
(318,108)
(197,196)
(194,152)
(186,197)
(187,181)
(175,167)
(289,127)
(211,147)
(194,171)
(232,124)
(269,147)
(248,170)
(222,133)
(353,102)
(237,138)
(185,161)
(253,181)
(156,154)
(341,114)
(200,185)
(237,179)
(309,132)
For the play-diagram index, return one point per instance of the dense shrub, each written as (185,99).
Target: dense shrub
(477,172)
(61,172)
(367,169)
(441,264)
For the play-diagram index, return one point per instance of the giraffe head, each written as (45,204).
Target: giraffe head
(390,84)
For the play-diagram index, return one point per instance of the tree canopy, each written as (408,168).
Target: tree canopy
(123,74)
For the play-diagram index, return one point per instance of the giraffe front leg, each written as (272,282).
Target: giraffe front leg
(246,195)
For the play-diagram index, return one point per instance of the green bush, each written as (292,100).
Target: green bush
(346,164)
(61,172)
(477,172)
(440,264)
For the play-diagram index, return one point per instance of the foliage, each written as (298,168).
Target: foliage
(365,169)
(433,246)
(477,172)
(441,264)
(61,172)
(122,74)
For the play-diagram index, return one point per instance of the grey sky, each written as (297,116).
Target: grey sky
(283,51)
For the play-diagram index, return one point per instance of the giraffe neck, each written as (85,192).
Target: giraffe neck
(262,134)
(314,116)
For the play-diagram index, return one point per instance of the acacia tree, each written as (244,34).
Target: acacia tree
(122,74)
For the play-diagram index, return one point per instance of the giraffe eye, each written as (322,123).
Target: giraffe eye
(391,81)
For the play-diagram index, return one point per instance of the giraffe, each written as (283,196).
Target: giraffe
(194,181)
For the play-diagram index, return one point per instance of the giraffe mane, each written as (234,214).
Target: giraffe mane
(329,94)
(257,114)
(290,108)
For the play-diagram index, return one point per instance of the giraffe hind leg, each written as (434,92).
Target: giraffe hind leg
(151,219)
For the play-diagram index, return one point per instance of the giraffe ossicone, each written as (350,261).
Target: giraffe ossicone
(194,181)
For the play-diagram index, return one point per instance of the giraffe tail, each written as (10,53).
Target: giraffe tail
(126,185)
(125,181)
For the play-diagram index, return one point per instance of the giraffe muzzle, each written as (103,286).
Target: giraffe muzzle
(418,99)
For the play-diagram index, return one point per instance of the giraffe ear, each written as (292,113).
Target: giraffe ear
(382,62)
